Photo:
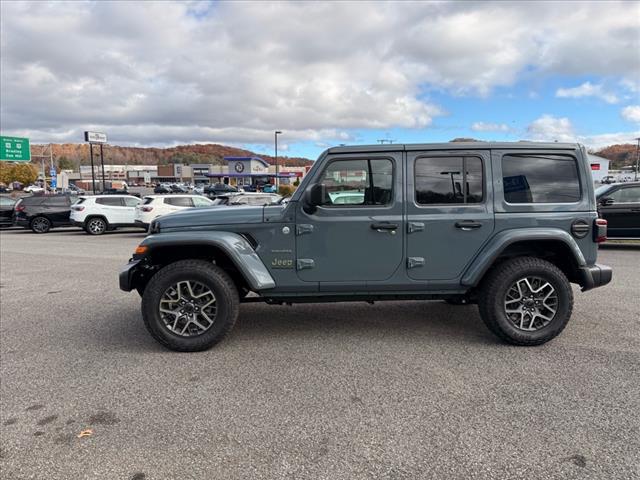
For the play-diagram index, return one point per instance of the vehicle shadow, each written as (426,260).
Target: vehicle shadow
(404,322)
(631,245)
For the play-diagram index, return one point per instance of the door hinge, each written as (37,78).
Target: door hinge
(413,262)
(415,227)
(304,263)
(303,228)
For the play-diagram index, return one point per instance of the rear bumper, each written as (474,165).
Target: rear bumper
(595,276)
(140,223)
(76,223)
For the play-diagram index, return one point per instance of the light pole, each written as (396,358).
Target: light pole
(637,158)
(275,136)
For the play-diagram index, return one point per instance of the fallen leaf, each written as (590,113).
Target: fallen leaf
(85,433)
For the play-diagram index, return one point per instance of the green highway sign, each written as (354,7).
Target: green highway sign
(14,149)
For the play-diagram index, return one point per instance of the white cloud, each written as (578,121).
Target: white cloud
(587,89)
(631,113)
(553,129)
(489,127)
(167,72)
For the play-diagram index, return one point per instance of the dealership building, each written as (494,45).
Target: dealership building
(599,167)
(237,171)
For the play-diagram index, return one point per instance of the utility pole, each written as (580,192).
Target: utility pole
(637,158)
(277,132)
(93,172)
(102,162)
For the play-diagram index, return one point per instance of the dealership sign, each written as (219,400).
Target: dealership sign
(15,149)
(95,137)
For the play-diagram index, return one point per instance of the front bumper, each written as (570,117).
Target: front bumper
(128,274)
(595,276)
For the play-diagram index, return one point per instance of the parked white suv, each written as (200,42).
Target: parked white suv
(97,214)
(155,206)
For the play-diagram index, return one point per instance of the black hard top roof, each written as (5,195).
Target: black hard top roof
(394,147)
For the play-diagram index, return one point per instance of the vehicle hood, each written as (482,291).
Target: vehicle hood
(209,216)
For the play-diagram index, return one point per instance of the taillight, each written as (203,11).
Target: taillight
(146,209)
(600,230)
(78,208)
(20,208)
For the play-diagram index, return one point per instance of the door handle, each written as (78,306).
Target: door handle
(384,226)
(467,225)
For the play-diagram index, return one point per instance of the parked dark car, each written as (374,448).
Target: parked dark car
(619,205)
(6,211)
(178,189)
(162,189)
(119,191)
(216,189)
(41,213)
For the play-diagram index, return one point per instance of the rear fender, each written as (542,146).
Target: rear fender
(485,259)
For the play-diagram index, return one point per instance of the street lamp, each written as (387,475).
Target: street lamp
(275,136)
(637,158)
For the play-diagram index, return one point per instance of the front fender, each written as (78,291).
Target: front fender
(502,240)
(235,246)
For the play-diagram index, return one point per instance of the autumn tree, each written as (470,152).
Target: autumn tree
(5,171)
(65,164)
(25,173)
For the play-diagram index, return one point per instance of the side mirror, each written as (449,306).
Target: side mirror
(606,201)
(314,196)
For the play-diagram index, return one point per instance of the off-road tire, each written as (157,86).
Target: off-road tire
(494,290)
(96,226)
(40,224)
(206,273)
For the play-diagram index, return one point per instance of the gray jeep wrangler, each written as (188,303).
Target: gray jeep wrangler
(508,226)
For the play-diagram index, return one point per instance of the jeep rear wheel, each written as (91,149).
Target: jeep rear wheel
(526,301)
(190,305)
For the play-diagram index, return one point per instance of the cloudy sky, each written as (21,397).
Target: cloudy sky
(324,73)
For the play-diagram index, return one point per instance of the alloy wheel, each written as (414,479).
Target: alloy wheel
(531,303)
(96,226)
(188,308)
(40,225)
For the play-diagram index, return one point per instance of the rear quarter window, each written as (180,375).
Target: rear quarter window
(540,178)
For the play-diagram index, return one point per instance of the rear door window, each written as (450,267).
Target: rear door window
(533,178)
(57,201)
(448,180)
(110,201)
(201,202)
(179,201)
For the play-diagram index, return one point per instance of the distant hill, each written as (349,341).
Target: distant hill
(622,155)
(116,155)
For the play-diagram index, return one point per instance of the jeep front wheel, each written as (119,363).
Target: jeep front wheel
(190,305)
(526,301)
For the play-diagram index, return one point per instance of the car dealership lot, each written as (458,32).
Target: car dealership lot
(392,390)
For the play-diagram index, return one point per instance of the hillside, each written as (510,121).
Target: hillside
(209,153)
(622,155)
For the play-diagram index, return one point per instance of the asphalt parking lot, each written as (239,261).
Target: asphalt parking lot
(399,390)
